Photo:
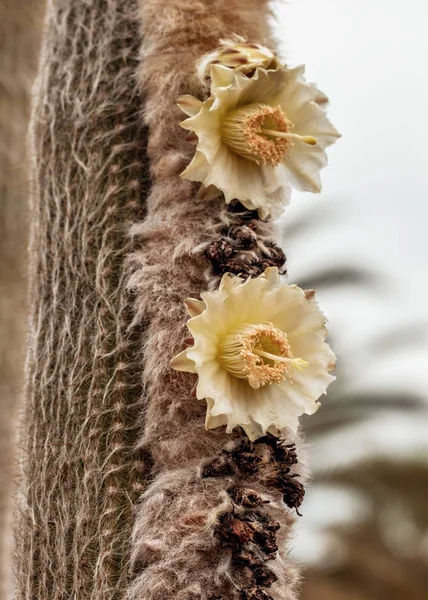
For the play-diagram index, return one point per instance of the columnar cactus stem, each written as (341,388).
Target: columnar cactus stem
(213,524)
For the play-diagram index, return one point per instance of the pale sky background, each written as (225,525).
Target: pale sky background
(370,57)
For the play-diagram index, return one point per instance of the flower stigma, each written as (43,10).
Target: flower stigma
(259,353)
(260,133)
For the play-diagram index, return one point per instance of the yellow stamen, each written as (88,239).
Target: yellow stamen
(308,139)
(244,130)
(259,353)
(298,363)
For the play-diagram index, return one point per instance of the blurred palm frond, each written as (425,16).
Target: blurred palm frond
(381,551)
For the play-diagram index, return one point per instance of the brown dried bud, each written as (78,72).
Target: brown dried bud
(260,572)
(286,454)
(264,452)
(265,529)
(239,252)
(234,532)
(219,250)
(266,540)
(246,497)
(293,493)
(266,521)
(244,235)
(264,576)
(221,466)
(247,462)
(245,459)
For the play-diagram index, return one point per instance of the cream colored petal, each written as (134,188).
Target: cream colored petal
(271,275)
(211,374)
(242,395)
(201,119)
(237,178)
(301,102)
(318,96)
(222,314)
(209,144)
(225,396)
(311,119)
(296,397)
(206,125)
(278,302)
(262,407)
(313,92)
(257,187)
(189,105)
(225,99)
(221,77)
(233,402)
(313,381)
(291,312)
(263,87)
(208,193)
(194,307)
(208,326)
(182,363)
(295,92)
(214,302)
(205,346)
(277,190)
(212,422)
(244,303)
(205,331)
(254,431)
(198,169)
(310,346)
(229,281)
(235,302)
(303,166)
(274,407)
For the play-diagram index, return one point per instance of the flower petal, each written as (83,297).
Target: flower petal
(189,104)
(182,363)
(198,169)
(311,119)
(221,76)
(271,275)
(303,166)
(208,193)
(194,307)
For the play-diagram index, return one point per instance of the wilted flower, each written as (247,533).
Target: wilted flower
(259,352)
(240,55)
(257,136)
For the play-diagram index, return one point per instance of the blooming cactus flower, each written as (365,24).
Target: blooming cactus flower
(257,136)
(259,352)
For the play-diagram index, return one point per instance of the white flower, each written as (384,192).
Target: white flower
(259,352)
(257,136)
(240,55)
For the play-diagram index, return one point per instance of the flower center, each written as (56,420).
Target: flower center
(259,353)
(260,133)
